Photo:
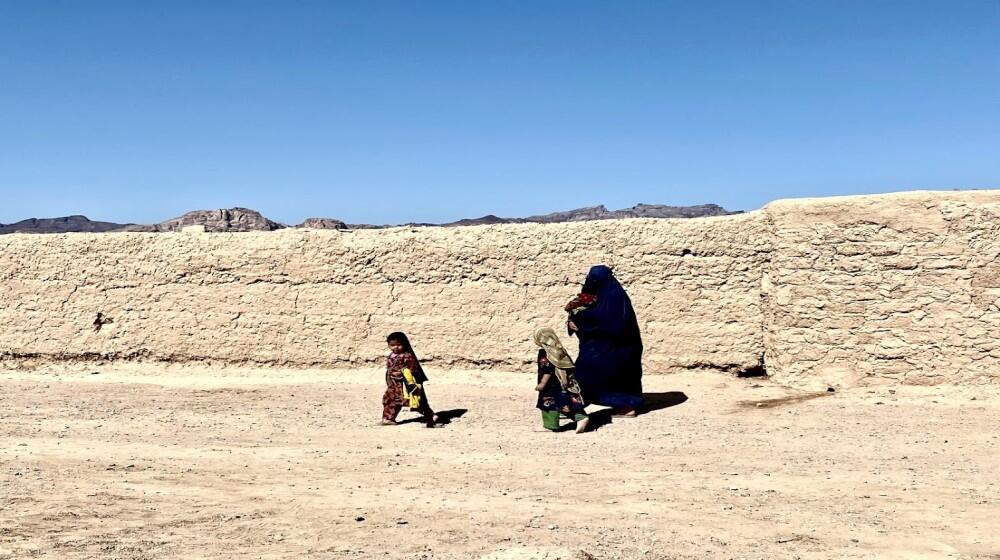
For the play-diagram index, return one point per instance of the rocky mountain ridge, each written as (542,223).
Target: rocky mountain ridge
(601,212)
(61,225)
(244,219)
(221,220)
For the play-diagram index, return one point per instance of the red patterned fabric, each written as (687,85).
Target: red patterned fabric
(580,301)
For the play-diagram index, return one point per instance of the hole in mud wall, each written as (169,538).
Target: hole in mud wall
(101,320)
(687,253)
(756,371)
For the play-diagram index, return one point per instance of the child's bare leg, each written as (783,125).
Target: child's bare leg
(581,422)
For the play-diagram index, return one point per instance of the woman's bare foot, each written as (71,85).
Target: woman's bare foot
(625,412)
(388,422)
(581,425)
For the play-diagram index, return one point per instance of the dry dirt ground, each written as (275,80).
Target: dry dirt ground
(147,461)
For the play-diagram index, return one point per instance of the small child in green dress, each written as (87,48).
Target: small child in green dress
(558,391)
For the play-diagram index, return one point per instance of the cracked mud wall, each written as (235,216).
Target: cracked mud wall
(467,296)
(841,291)
(885,289)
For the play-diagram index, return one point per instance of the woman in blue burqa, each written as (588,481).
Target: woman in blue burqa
(609,364)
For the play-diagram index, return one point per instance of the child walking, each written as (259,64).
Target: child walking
(404,379)
(558,391)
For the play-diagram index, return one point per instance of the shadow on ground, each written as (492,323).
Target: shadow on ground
(654,402)
(784,401)
(444,416)
(659,401)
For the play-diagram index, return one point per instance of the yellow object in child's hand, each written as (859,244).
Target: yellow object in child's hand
(411,396)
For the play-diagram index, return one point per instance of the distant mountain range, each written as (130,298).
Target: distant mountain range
(60,225)
(244,219)
(602,213)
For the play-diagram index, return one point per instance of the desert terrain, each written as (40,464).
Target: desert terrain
(151,461)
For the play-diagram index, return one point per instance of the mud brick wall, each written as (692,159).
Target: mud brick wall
(885,289)
(897,288)
(468,296)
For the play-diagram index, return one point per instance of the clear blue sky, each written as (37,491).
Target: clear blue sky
(424,110)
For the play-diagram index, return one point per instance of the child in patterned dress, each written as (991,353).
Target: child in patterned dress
(404,380)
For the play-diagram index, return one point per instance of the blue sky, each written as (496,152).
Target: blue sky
(391,112)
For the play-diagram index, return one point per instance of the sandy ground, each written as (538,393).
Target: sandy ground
(150,462)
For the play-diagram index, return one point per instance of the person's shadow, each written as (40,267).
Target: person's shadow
(654,402)
(444,416)
(659,401)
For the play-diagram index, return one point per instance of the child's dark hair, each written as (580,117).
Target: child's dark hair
(407,347)
(400,338)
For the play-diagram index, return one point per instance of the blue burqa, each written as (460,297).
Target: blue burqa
(609,365)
